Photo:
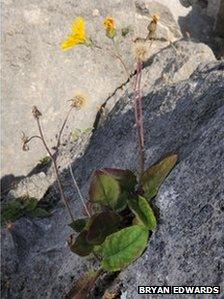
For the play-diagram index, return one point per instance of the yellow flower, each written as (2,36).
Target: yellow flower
(77,36)
(110,26)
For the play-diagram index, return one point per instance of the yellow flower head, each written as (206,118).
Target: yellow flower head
(77,36)
(110,26)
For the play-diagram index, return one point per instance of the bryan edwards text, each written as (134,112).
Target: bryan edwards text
(179,290)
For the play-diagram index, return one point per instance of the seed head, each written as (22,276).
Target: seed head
(25,141)
(140,51)
(36,112)
(79,101)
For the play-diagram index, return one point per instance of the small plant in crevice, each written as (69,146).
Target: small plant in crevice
(77,102)
(45,161)
(121,218)
(22,206)
(118,216)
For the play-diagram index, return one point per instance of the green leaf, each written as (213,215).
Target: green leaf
(142,210)
(11,211)
(79,224)
(149,217)
(98,249)
(45,161)
(104,189)
(125,31)
(153,177)
(126,178)
(30,204)
(39,213)
(124,247)
(80,245)
(122,202)
(102,225)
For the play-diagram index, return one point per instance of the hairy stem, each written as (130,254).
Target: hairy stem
(79,191)
(116,55)
(139,117)
(54,160)
(33,137)
(62,128)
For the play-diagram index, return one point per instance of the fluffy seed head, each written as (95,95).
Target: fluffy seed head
(79,101)
(140,51)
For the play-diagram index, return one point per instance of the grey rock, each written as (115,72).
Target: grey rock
(219,24)
(171,65)
(36,72)
(205,23)
(9,261)
(186,117)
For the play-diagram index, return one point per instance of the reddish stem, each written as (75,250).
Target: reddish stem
(139,116)
(54,160)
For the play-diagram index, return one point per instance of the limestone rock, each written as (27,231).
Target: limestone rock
(185,117)
(36,72)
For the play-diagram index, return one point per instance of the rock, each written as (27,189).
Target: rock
(167,28)
(36,72)
(9,260)
(219,24)
(174,64)
(205,23)
(184,116)
(213,9)
(187,248)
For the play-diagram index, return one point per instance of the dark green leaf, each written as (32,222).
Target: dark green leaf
(125,31)
(79,224)
(104,189)
(30,204)
(126,178)
(156,174)
(122,202)
(39,213)
(45,161)
(102,225)
(11,211)
(124,247)
(79,245)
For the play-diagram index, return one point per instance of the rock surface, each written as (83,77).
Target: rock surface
(36,72)
(171,65)
(185,116)
(205,22)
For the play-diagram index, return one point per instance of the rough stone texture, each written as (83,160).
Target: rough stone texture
(219,24)
(205,23)
(186,117)
(36,72)
(171,65)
